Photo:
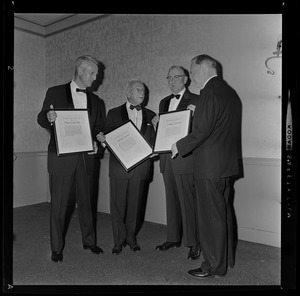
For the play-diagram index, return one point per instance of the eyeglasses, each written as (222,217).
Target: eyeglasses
(175,78)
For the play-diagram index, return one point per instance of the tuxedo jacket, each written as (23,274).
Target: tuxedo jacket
(116,117)
(60,97)
(215,137)
(180,165)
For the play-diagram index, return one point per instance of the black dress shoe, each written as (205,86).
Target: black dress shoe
(94,249)
(56,256)
(117,249)
(167,245)
(199,273)
(194,253)
(134,246)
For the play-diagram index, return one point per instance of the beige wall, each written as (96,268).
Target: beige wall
(144,47)
(29,91)
(30,185)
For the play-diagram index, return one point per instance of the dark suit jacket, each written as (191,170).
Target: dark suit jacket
(60,97)
(215,138)
(115,118)
(180,165)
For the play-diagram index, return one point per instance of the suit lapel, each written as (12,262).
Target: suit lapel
(184,101)
(88,102)
(124,114)
(167,104)
(89,107)
(144,122)
(69,96)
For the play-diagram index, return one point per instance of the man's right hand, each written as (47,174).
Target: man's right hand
(51,115)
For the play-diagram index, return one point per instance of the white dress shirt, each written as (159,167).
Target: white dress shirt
(134,115)
(79,98)
(175,102)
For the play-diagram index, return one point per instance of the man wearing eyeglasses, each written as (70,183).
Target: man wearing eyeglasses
(178,174)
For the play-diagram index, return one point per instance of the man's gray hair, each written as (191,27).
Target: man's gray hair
(130,83)
(83,59)
(204,58)
(86,58)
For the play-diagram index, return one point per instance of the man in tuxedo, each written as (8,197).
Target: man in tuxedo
(215,143)
(178,174)
(128,188)
(71,170)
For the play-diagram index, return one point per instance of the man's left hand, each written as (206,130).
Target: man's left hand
(95,149)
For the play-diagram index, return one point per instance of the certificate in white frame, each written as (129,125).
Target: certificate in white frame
(72,131)
(172,126)
(128,145)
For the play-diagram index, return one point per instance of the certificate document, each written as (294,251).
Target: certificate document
(172,126)
(72,131)
(128,145)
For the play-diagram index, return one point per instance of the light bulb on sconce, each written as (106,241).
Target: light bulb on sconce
(279,45)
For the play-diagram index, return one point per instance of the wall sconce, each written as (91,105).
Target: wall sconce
(277,54)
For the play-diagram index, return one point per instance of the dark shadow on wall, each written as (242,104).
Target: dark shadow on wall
(146,98)
(187,74)
(97,165)
(99,79)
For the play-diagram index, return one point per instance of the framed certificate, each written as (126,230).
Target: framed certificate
(128,145)
(172,126)
(72,131)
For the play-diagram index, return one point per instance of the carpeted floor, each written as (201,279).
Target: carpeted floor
(256,264)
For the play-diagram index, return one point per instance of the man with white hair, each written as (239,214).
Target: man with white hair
(128,189)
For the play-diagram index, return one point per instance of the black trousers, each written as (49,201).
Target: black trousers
(126,198)
(181,207)
(215,224)
(60,188)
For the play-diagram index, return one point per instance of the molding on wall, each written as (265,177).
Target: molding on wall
(260,236)
(261,161)
(30,153)
(55,27)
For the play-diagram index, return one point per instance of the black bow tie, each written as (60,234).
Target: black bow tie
(137,107)
(175,96)
(82,90)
